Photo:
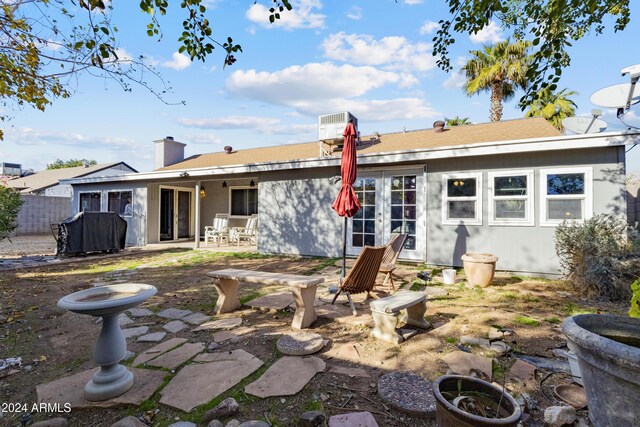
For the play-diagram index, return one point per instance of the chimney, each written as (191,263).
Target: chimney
(168,152)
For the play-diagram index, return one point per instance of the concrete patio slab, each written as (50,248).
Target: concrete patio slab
(353,419)
(196,318)
(200,383)
(153,337)
(178,356)
(174,313)
(464,363)
(286,377)
(408,392)
(237,355)
(227,335)
(135,332)
(277,301)
(158,350)
(228,323)
(71,390)
(140,312)
(175,326)
(300,343)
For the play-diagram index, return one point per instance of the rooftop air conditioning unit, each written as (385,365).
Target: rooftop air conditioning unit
(331,126)
(11,169)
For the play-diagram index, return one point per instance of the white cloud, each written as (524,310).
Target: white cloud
(264,125)
(123,55)
(489,34)
(302,85)
(30,136)
(302,15)
(412,2)
(428,27)
(455,80)
(178,62)
(393,52)
(376,110)
(355,13)
(203,138)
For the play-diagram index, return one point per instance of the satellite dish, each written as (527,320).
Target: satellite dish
(582,125)
(632,70)
(616,96)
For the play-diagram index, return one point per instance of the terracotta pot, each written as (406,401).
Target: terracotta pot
(479,268)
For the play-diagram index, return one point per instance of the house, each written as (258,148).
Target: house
(498,187)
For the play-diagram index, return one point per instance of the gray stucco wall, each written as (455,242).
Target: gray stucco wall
(38,212)
(526,249)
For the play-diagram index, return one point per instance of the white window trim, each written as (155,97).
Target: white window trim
(240,187)
(588,194)
(130,215)
(478,199)
(90,192)
(529,219)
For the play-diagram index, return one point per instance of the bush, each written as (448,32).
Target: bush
(10,203)
(600,255)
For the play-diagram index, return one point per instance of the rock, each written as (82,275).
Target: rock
(482,342)
(352,419)
(183,424)
(499,347)
(522,370)
(129,421)
(213,346)
(129,355)
(547,363)
(233,423)
(226,408)
(495,333)
(140,312)
(255,423)
(196,318)
(174,313)
(175,326)
(581,423)
(311,419)
(135,332)
(557,416)
(124,320)
(53,422)
(215,423)
(153,337)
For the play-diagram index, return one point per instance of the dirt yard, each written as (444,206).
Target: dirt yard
(53,343)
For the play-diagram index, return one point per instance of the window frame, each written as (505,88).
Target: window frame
(477,220)
(241,187)
(529,220)
(587,196)
(121,191)
(80,193)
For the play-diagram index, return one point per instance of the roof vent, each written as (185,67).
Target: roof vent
(228,149)
(438,126)
(170,138)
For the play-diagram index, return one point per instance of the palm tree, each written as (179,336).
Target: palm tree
(500,69)
(457,121)
(553,106)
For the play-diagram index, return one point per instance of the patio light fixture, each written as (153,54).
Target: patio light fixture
(184,174)
(224,184)
(252,184)
(203,192)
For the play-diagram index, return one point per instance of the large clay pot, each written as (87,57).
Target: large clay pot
(450,416)
(608,352)
(479,268)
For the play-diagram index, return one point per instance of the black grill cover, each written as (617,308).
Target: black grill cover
(91,232)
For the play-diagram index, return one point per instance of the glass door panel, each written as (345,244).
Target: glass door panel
(365,227)
(403,208)
(184,214)
(166,214)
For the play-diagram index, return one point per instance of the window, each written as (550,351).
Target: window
(90,202)
(566,194)
(120,202)
(244,201)
(363,223)
(462,199)
(403,208)
(511,198)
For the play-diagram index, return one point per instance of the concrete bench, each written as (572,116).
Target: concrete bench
(386,311)
(303,289)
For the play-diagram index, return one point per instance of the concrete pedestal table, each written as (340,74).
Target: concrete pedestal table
(108,302)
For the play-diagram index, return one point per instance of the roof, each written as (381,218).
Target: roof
(49,177)
(519,129)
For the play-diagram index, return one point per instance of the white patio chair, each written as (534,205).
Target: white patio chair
(219,231)
(249,232)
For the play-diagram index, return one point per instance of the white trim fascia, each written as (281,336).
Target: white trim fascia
(478,199)
(588,193)
(527,222)
(562,142)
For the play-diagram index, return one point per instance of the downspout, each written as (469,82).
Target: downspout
(197,217)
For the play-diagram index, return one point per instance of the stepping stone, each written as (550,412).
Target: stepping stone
(183,424)
(464,363)
(129,421)
(153,337)
(124,320)
(554,365)
(134,332)
(286,377)
(277,301)
(351,372)
(129,355)
(435,291)
(228,335)
(175,326)
(523,370)
(140,312)
(219,356)
(408,392)
(196,318)
(300,343)
(353,419)
(255,423)
(228,323)
(177,357)
(158,350)
(497,346)
(200,383)
(174,313)
(71,390)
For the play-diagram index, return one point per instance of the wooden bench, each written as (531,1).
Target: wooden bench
(386,311)
(303,289)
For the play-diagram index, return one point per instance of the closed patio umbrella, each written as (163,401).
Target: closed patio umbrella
(347,203)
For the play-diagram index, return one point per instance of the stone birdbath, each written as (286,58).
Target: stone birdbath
(108,302)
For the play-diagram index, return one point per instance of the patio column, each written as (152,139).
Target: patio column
(197,216)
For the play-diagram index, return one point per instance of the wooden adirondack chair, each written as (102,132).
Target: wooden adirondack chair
(249,232)
(218,231)
(362,276)
(391,254)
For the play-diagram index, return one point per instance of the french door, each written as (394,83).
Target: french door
(175,213)
(392,202)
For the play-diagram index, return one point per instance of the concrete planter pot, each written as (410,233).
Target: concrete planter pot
(608,352)
(448,415)
(449,276)
(479,268)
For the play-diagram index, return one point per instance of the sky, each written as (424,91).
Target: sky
(372,58)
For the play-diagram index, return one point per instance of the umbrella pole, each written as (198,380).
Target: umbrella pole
(344,248)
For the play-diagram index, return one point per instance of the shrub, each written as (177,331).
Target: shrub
(10,203)
(600,255)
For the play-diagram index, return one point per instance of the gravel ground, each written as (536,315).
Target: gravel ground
(43,244)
